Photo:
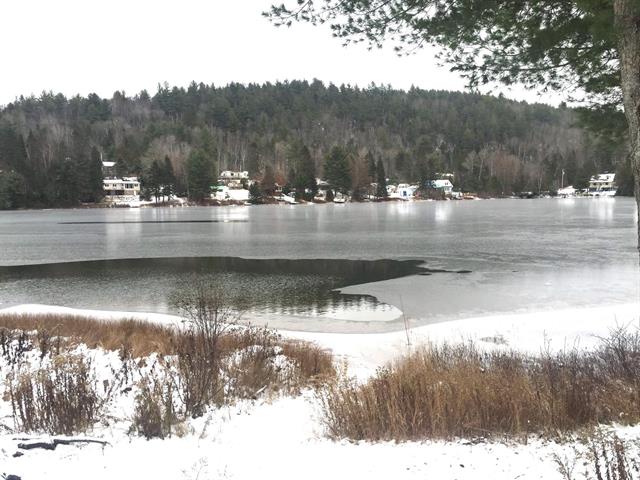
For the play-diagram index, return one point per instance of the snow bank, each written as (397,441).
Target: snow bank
(284,439)
(528,332)
(97,314)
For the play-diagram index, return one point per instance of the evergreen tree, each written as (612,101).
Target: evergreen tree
(381,180)
(154,179)
(303,172)
(67,182)
(268,183)
(95,176)
(587,45)
(199,176)
(330,196)
(255,194)
(337,169)
(371,163)
(168,178)
(12,190)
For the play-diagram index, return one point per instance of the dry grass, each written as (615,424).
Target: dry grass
(154,411)
(141,338)
(609,458)
(460,391)
(600,455)
(61,398)
(202,366)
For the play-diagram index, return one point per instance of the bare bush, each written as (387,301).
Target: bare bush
(154,412)
(449,391)
(256,364)
(208,361)
(609,459)
(209,314)
(14,345)
(61,398)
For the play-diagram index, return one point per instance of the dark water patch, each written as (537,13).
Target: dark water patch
(337,272)
(280,286)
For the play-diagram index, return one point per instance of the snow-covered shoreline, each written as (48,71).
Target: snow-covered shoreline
(284,438)
(364,352)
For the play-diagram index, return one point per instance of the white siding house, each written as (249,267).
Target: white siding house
(233,179)
(603,185)
(445,185)
(121,190)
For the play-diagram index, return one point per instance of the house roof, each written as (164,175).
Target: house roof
(604,177)
(441,183)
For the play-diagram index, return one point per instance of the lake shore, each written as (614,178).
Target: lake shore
(365,352)
(232,203)
(286,435)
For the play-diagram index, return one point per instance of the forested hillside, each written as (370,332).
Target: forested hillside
(51,146)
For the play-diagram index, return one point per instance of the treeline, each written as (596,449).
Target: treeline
(50,146)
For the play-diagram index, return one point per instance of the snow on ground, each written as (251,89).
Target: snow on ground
(284,439)
(281,440)
(528,332)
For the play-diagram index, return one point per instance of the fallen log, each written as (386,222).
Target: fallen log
(58,441)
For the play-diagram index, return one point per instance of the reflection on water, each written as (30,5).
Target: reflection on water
(263,286)
(525,255)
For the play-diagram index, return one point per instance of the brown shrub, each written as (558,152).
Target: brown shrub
(257,366)
(313,362)
(13,345)
(140,337)
(451,391)
(59,399)
(609,459)
(154,412)
(208,360)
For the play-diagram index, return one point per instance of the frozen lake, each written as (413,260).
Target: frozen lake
(522,255)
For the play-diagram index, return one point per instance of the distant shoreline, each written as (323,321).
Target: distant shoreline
(247,204)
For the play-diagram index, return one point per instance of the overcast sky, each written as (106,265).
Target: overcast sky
(84,46)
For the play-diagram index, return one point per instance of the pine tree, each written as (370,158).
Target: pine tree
(336,169)
(12,190)
(168,178)
(199,176)
(95,176)
(255,194)
(268,183)
(371,164)
(330,196)
(381,180)
(303,171)
(154,180)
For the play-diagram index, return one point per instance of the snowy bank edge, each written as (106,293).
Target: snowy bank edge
(364,352)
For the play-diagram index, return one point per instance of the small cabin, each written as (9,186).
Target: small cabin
(233,179)
(444,185)
(603,181)
(121,190)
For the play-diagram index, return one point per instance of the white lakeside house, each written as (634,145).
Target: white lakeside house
(233,179)
(603,185)
(567,192)
(121,191)
(444,185)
